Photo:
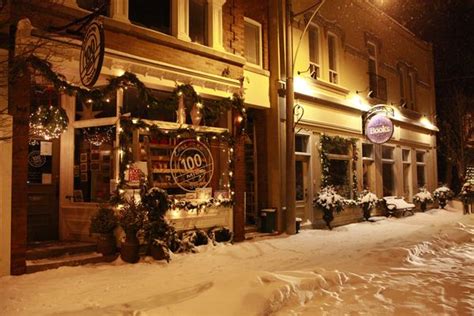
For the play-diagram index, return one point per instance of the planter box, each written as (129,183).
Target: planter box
(212,216)
(347,216)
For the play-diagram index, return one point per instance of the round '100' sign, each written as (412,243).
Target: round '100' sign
(191,165)
(92,54)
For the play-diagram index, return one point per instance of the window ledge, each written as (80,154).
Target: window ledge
(256,69)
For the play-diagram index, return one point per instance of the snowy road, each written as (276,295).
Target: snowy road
(422,264)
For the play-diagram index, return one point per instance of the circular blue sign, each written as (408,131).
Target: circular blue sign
(379,129)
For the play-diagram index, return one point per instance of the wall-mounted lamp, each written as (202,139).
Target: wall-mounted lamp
(403,104)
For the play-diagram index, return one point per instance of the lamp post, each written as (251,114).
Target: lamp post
(290,100)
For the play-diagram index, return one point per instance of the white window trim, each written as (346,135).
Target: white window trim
(372,158)
(260,43)
(336,59)
(318,64)
(375,56)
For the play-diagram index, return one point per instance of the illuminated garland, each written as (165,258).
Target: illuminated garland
(199,206)
(211,109)
(48,121)
(337,142)
(98,135)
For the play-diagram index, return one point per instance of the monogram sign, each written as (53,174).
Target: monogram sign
(92,54)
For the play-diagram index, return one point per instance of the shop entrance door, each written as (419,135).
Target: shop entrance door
(303,201)
(43,190)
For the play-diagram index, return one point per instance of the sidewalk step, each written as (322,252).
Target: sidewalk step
(43,250)
(67,260)
(255,235)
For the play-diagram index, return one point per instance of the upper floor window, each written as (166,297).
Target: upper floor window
(198,21)
(407,86)
(159,20)
(314,63)
(411,89)
(91,5)
(253,41)
(372,50)
(332,57)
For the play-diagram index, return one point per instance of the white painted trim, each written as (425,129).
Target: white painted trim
(5,198)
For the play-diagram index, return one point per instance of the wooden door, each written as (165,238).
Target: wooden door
(43,190)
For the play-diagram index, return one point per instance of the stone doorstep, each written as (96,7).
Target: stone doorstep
(67,260)
(44,250)
(255,235)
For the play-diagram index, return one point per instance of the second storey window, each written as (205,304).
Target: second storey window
(159,20)
(197,21)
(253,42)
(314,64)
(332,56)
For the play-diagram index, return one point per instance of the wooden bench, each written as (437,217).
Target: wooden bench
(397,206)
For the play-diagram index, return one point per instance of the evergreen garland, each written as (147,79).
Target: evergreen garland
(339,145)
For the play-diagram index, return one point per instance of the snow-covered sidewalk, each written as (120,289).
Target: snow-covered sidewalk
(273,275)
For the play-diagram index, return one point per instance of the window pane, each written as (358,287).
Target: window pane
(371,50)
(93,162)
(313,45)
(151,14)
(299,180)
(388,179)
(420,173)
(301,143)
(387,152)
(252,43)
(406,155)
(367,150)
(372,66)
(85,109)
(420,156)
(332,52)
(197,21)
(339,176)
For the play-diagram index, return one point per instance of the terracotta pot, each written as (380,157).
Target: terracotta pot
(130,249)
(106,244)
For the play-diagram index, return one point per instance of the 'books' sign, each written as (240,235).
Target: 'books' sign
(379,129)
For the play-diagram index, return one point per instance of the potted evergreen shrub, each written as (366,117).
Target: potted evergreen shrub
(423,198)
(442,195)
(158,231)
(103,223)
(367,202)
(131,218)
(329,202)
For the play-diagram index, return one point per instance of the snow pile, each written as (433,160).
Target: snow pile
(421,264)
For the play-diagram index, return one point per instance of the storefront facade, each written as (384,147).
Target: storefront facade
(352,59)
(178,63)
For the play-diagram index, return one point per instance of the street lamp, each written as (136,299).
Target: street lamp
(290,100)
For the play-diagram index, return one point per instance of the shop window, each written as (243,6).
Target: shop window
(198,21)
(407,183)
(93,163)
(133,104)
(314,46)
(253,42)
(91,5)
(339,176)
(368,167)
(139,14)
(420,169)
(388,173)
(332,55)
(87,109)
(301,143)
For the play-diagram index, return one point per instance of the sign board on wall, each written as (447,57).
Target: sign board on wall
(192,165)
(92,54)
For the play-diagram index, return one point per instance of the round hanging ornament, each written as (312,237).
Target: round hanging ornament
(48,122)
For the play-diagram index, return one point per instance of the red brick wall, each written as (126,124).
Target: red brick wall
(258,11)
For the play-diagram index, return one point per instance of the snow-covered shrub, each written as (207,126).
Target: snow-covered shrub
(442,194)
(367,201)
(328,199)
(103,221)
(467,195)
(131,216)
(423,196)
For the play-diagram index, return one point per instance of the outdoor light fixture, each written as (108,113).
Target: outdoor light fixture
(370,93)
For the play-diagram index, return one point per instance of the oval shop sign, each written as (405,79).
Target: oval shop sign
(379,129)
(92,54)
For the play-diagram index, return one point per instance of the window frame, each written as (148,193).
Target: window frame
(315,66)
(421,164)
(260,43)
(391,162)
(333,73)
